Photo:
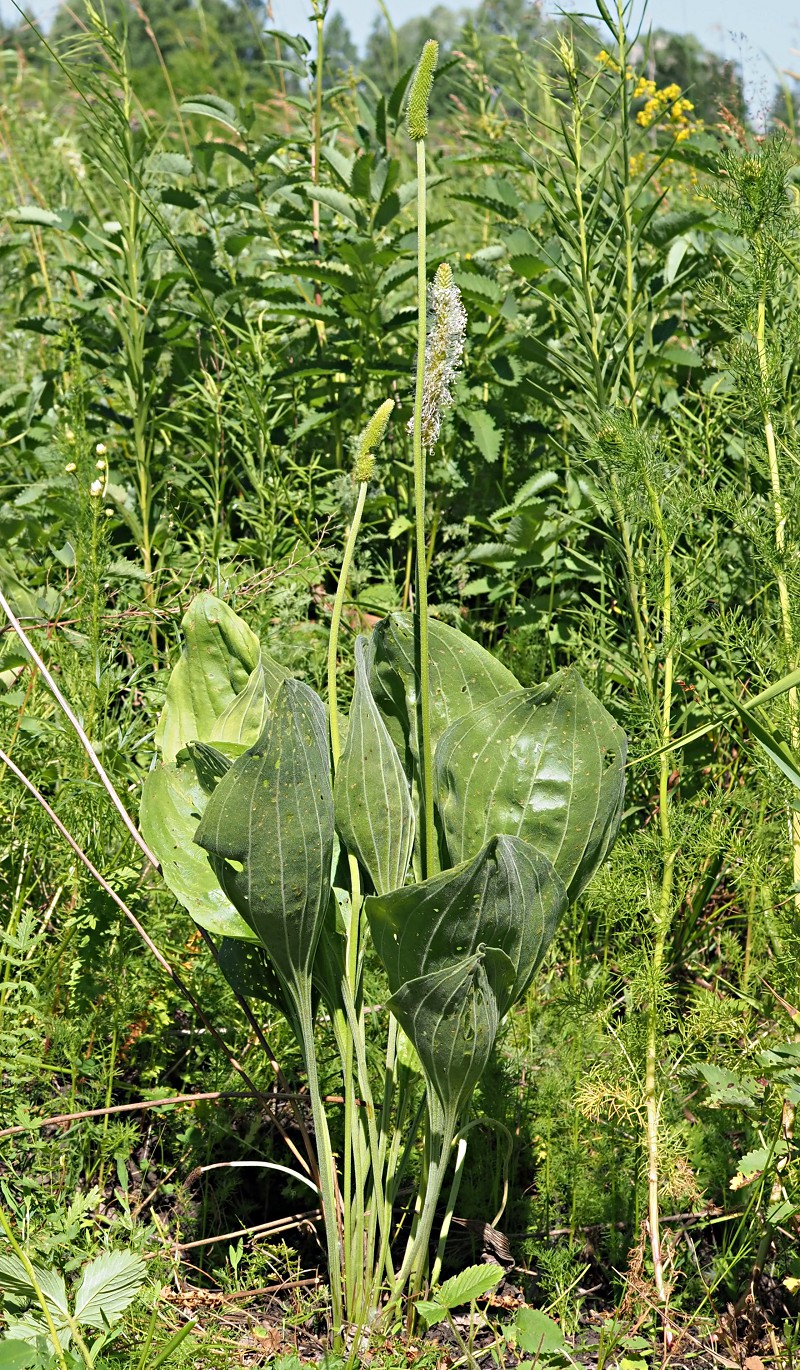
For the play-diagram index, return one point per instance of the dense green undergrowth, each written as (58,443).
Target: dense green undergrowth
(202,306)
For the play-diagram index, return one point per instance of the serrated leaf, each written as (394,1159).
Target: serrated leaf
(107,1286)
(213,107)
(219,655)
(547,765)
(431,1313)
(269,830)
(335,200)
(468,1285)
(488,437)
(372,801)
(173,801)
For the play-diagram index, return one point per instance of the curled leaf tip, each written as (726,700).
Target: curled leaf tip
(421,91)
(368,440)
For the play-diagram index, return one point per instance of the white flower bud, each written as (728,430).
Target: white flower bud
(443,352)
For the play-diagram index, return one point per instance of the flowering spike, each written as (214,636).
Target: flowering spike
(443,351)
(421,91)
(368,440)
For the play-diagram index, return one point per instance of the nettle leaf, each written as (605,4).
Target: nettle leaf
(269,830)
(372,801)
(107,1286)
(219,654)
(508,896)
(547,765)
(463,676)
(174,800)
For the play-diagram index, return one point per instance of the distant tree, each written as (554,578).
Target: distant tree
(390,53)
(341,53)
(785,110)
(206,44)
(708,80)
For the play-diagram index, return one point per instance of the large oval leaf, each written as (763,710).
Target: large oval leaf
(269,831)
(452,1017)
(174,799)
(372,801)
(220,652)
(508,896)
(245,718)
(546,764)
(463,675)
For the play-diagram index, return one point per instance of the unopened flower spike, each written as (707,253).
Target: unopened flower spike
(420,94)
(368,440)
(447,326)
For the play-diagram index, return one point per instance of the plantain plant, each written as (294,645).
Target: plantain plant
(441,832)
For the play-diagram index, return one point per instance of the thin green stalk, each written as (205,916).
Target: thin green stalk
(652,1098)
(336,621)
(627,211)
(426,751)
(779,514)
(327,1166)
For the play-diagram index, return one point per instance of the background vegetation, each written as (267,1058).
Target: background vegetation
(207,263)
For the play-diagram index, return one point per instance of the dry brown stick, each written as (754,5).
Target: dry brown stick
(259,1229)
(213,1296)
(61,1118)
(134,921)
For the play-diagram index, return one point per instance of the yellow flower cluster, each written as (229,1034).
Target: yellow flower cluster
(666,107)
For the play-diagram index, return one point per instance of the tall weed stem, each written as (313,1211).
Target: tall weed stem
(426,757)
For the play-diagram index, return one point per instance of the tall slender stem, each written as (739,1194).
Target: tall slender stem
(663,913)
(424,704)
(779,514)
(336,621)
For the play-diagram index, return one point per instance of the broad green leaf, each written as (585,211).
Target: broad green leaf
(372,801)
(463,676)
(219,655)
(452,1017)
(547,765)
(467,1285)
(430,1312)
(210,764)
(16,1355)
(268,828)
(174,800)
(244,719)
(249,972)
(508,896)
(107,1286)
(534,1333)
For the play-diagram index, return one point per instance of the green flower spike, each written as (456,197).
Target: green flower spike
(368,440)
(421,91)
